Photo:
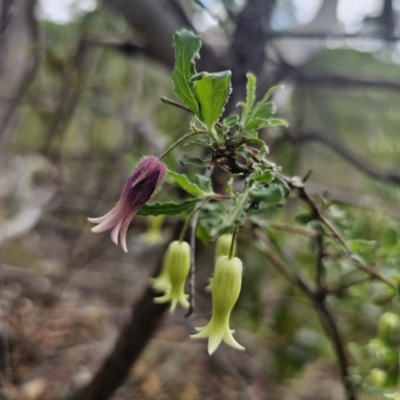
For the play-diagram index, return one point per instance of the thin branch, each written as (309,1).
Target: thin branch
(329,35)
(325,315)
(342,81)
(145,318)
(192,279)
(343,151)
(10,13)
(320,269)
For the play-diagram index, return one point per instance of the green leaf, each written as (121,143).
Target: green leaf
(304,218)
(283,185)
(167,208)
(202,141)
(196,161)
(271,194)
(250,97)
(261,117)
(265,98)
(203,183)
(234,213)
(184,183)
(275,193)
(265,176)
(277,122)
(231,121)
(187,46)
(212,92)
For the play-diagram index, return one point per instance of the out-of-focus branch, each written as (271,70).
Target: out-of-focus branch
(70,94)
(325,315)
(248,44)
(342,81)
(343,151)
(145,318)
(155,22)
(19,56)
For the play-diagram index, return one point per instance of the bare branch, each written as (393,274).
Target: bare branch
(343,151)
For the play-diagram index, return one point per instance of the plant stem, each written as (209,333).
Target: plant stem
(232,247)
(188,219)
(179,141)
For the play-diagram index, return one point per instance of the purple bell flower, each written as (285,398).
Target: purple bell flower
(145,179)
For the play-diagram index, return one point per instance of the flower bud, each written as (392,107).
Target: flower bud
(222,248)
(223,245)
(388,326)
(225,290)
(377,377)
(177,265)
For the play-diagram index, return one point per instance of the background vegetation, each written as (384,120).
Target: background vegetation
(80,103)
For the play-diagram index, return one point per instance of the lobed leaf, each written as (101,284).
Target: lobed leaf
(212,91)
(188,186)
(167,208)
(187,46)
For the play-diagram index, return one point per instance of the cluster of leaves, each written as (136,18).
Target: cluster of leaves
(231,143)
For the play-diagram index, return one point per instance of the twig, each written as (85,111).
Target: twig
(329,35)
(179,141)
(320,270)
(181,106)
(192,278)
(12,12)
(324,313)
(282,226)
(176,104)
(343,151)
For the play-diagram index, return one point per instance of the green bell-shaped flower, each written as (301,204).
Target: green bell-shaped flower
(222,247)
(225,290)
(174,273)
(163,282)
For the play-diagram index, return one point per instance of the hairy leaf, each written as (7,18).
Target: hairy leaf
(167,208)
(212,92)
(190,187)
(187,46)
(195,161)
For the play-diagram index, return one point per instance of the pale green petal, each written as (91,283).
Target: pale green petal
(214,341)
(231,341)
(162,299)
(202,333)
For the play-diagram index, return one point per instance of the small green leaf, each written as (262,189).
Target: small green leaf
(271,194)
(196,161)
(229,186)
(231,121)
(203,183)
(265,98)
(284,186)
(167,208)
(202,141)
(275,193)
(261,117)
(234,213)
(187,46)
(184,183)
(250,97)
(265,176)
(304,218)
(212,92)
(277,122)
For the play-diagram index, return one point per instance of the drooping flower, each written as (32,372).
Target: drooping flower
(141,184)
(222,247)
(177,265)
(225,290)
